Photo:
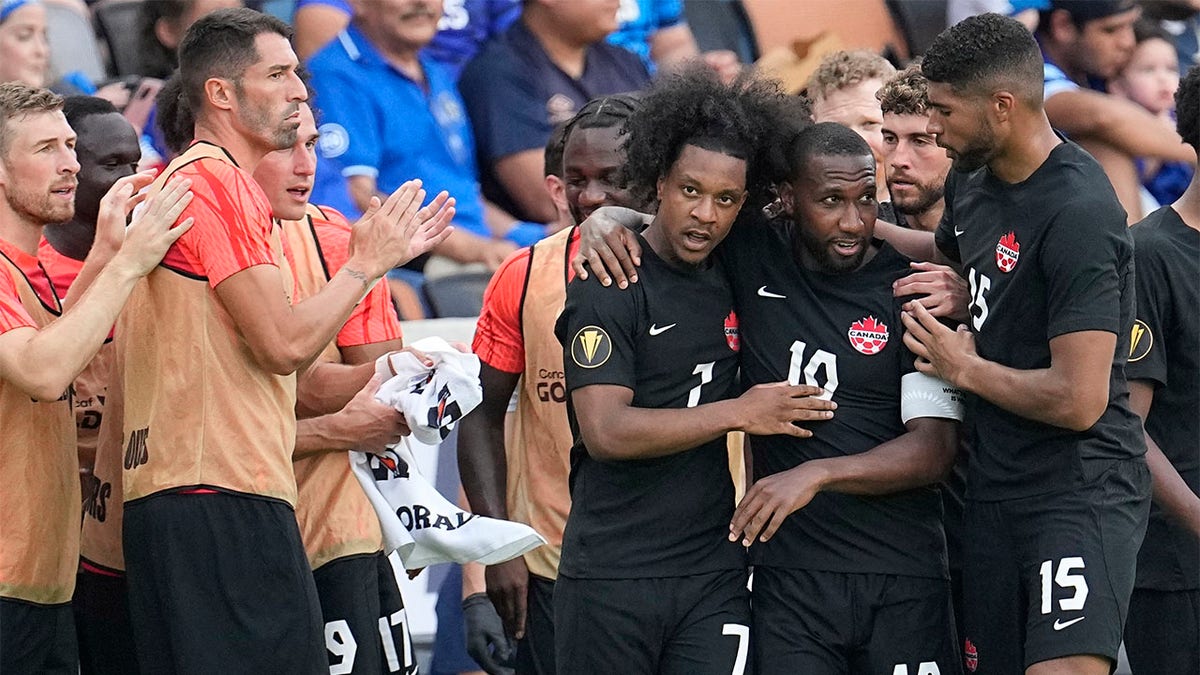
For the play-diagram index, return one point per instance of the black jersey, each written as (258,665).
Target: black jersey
(841,332)
(672,339)
(1165,349)
(1044,257)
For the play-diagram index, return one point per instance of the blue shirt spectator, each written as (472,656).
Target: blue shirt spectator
(516,94)
(640,20)
(377,122)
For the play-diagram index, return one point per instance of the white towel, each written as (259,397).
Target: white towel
(423,526)
(432,399)
(416,520)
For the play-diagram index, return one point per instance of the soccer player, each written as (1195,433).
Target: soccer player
(523,476)
(1163,629)
(355,582)
(650,376)
(218,578)
(1057,487)
(42,350)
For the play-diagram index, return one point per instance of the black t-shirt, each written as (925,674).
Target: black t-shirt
(1044,257)
(1165,350)
(841,332)
(672,339)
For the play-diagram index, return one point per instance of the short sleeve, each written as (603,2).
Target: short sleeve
(374,320)
(502,102)
(667,13)
(1147,339)
(1082,256)
(350,131)
(943,236)
(499,341)
(232,225)
(1055,81)
(12,312)
(597,330)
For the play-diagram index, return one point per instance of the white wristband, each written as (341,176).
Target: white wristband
(922,395)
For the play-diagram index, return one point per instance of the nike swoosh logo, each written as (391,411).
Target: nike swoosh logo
(957,232)
(768,294)
(1059,624)
(655,330)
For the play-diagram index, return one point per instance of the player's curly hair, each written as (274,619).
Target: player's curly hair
(905,94)
(749,119)
(1187,108)
(984,52)
(846,68)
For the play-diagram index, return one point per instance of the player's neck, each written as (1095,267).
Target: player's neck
(72,239)
(1026,151)
(219,132)
(568,55)
(1188,205)
(19,231)
(927,220)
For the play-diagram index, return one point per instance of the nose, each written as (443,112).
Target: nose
(593,194)
(900,157)
(934,126)
(298,91)
(851,221)
(69,163)
(705,211)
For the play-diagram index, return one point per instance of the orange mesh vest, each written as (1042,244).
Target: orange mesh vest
(335,518)
(538,437)
(39,472)
(199,410)
(103,507)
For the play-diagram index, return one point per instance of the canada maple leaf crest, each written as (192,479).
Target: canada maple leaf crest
(1008,249)
(732,337)
(868,335)
(970,655)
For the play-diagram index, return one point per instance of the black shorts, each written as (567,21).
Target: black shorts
(669,626)
(1162,634)
(360,636)
(101,606)
(535,651)
(1049,576)
(832,623)
(37,639)
(219,583)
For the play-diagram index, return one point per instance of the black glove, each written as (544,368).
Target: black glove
(486,641)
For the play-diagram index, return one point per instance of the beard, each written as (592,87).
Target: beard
(39,206)
(827,261)
(272,129)
(927,195)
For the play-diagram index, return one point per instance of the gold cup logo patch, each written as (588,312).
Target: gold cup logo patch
(591,347)
(1141,341)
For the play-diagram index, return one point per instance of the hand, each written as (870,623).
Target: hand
(772,499)
(394,232)
(153,231)
(608,247)
(724,63)
(772,409)
(113,214)
(486,641)
(508,587)
(940,351)
(373,425)
(943,291)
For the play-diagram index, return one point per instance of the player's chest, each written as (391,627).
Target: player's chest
(1005,280)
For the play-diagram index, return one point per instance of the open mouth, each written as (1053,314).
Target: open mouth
(847,247)
(696,240)
(299,194)
(65,191)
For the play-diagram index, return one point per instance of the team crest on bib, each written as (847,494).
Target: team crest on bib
(732,338)
(591,347)
(1141,340)
(868,335)
(1008,249)
(970,655)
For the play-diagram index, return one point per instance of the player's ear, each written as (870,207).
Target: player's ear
(1002,104)
(658,187)
(219,93)
(786,199)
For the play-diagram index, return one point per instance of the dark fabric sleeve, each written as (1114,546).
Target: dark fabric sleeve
(1147,343)
(598,329)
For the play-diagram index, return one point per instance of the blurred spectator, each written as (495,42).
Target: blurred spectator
(24,52)
(656,31)
(464,27)
(537,74)
(1025,11)
(842,90)
(1181,19)
(1084,43)
(916,166)
(1150,80)
(390,113)
(161,25)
